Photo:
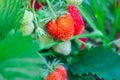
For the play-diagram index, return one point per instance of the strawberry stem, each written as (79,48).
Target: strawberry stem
(93,34)
(112,42)
(49,67)
(34,13)
(86,44)
(51,9)
(39,31)
(36,22)
(60,2)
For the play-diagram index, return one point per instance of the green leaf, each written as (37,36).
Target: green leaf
(21,68)
(87,77)
(82,77)
(101,61)
(11,13)
(16,45)
(19,59)
(75,46)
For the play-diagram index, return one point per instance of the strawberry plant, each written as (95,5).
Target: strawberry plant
(59,40)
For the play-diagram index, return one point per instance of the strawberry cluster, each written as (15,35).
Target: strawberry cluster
(62,28)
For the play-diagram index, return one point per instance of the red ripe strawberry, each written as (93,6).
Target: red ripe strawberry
(78,21)
(62,28)
(37,5)
(82,45)
(117,3)
(82,40)
(58,74)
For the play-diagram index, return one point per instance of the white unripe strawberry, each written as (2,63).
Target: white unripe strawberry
(27,25)
(27,29)
(63,48)
(28,17)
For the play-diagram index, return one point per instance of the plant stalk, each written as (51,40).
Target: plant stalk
(51,9)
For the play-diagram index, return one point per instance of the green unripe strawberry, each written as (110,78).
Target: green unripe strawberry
(74,2)
(63,48)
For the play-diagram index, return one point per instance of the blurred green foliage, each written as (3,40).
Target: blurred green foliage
(11,14)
